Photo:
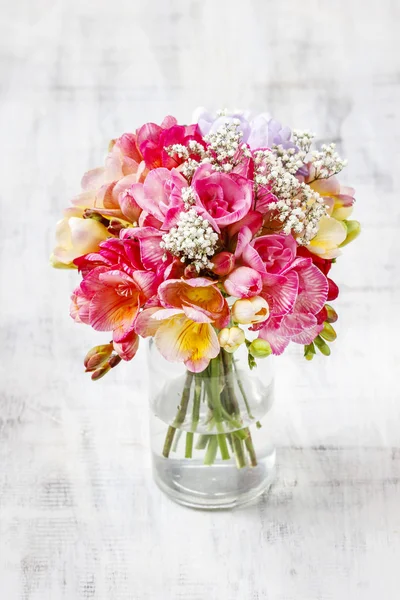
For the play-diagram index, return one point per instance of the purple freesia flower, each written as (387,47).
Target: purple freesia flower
(260,131)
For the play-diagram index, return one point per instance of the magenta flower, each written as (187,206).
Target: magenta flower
(152,140)
(115,285)
(299,324)
(222,199)
(276,251)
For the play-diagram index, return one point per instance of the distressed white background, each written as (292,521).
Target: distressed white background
(80,517)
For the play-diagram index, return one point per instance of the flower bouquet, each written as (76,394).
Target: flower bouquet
(215,240)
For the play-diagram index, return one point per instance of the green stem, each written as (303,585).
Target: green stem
(239,453)
(223,446)
(227,364)
(195,416)
(241,388)
(180,416)
(189,445)
(196,402)
(176,440)
(169,438)
(250,449)
(211,451)
(215,400)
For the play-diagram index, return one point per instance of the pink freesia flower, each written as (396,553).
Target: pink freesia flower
(271,256)
(153,139)
(300,324)
(109,299)
(199,299)
(222,199)
(161,195)
(184,329)
(105,188)
(276,251)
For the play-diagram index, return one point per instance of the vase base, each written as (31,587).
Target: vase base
(220,486)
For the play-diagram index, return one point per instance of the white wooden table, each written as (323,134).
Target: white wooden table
(80,517)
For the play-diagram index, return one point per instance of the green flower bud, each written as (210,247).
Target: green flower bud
(353,230)
(328,333)
(309,351)
(332,314)
(322,346)
(260,348)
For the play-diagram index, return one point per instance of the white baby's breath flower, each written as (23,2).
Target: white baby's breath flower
(192,240)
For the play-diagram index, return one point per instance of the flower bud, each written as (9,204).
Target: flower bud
(223,263)
(115,226)
(190,272)
(353,230)
(331,314)
(260,348)
(309,351)
(97,356)
(328,333)
(322,346)
(231,338)
(250,310)
(99,373)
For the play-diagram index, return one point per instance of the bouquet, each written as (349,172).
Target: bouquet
(207,238)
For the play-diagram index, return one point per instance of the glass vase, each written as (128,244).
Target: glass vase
(209,430)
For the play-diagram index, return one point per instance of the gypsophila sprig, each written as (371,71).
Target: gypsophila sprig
(192,240)
(223,145)
(326,162)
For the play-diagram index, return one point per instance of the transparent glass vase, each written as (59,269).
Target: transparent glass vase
(209,431)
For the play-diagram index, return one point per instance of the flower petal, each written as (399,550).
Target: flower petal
(280,291)
(243,282)
(313,290)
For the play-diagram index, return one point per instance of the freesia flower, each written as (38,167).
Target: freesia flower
(110,299)
(76,236)
(243,282)
(184,330)
(105,188)
(222,198)
(339,199)
(161,195)
(271,257)
(258,132)
(178,338)
(230,338)
(331,234)
(198,298)
(276,251)
(250,310)
(116,284)
(300,324)
(153,140)
(333,231)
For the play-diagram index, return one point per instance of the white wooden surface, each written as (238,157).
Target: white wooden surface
(80,517)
